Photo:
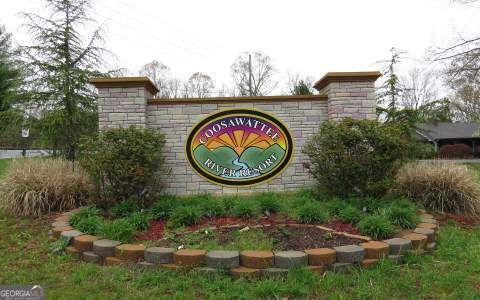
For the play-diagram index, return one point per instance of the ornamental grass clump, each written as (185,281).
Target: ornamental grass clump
(33,187)
(441,186)
(376,226)
(312,213)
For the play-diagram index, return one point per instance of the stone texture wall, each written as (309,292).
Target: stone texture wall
(302,117)
(122,107)
(127,101)
(351,99)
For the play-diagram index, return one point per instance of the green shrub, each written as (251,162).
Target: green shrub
(89,225)
(34,187)
(402,216)
(369,204)
(123,164)
(269,203)
(139,220)
(124,208)
(312,213)
(335,206)
(420,150)
(229,203)
(117,230)
(441,186)
(356,157)
(244,208)
(212,207)
(376,226)
(83,213)
(350,214)
(185,215)
(163,208)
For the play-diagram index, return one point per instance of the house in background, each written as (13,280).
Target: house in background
(440,134)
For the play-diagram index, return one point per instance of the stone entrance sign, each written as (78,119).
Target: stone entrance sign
(127,101)
(239,147)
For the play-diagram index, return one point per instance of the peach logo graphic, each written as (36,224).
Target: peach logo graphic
(239,147)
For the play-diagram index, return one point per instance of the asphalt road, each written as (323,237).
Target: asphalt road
(18,153)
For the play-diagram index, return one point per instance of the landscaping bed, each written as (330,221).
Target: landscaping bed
(260,237)
(294,245)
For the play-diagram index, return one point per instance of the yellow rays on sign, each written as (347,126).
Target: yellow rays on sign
(239,140)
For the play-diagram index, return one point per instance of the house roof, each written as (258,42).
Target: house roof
(440,130)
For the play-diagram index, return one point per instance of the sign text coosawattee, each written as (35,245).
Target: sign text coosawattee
(239,147)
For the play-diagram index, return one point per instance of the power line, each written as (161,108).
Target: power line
(151,48)
(151,35)
(175,27)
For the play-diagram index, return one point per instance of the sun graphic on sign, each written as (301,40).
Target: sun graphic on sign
(238,140)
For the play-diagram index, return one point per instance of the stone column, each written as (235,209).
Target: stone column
(350,94)
(122,101)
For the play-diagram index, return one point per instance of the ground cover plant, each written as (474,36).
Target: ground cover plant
(32,187)
(185,216)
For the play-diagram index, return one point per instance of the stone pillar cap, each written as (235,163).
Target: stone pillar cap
(346,77)
(125,82)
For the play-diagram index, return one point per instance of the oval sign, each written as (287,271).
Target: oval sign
(239,147)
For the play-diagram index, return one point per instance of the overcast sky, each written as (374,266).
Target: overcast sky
(309,37)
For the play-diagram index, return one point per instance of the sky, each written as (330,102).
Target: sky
(308,37)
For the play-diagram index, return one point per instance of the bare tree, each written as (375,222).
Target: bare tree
(199,85)
(160,74)
(226,91)
(260,81)
(174,88)
(418,88)
(465,87)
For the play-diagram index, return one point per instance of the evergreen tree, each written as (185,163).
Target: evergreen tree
(302,88)
(390,90)
(10,84)
(61,65)
(10,75)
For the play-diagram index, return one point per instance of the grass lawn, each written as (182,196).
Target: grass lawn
(451,272)
(3,165)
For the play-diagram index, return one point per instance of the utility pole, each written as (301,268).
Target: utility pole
(250,74)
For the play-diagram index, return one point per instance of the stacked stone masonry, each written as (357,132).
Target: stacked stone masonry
(123,102)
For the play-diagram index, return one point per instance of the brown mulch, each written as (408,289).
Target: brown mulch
(463,221)
(301,238)
(218,222)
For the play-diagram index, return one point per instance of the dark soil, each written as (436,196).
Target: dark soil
(218,222)
(301,238)
(284,237)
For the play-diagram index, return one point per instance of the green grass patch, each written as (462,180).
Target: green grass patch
(451,272)
(4,163)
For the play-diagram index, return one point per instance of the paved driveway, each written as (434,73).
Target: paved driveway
(18,153)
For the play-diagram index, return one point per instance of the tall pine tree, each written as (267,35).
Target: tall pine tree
(62,62)
(10,84)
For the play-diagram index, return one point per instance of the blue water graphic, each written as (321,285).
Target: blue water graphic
(237,173)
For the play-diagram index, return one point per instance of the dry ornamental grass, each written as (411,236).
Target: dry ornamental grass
(442,186)
(32,187)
